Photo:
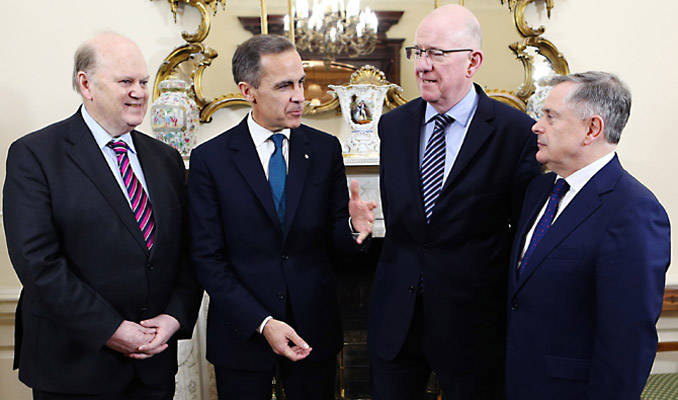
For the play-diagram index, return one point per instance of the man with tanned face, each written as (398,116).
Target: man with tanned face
(95,231)
(589,260)
(268,205)
(454,168)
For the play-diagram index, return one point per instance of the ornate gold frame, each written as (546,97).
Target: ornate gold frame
(200,56)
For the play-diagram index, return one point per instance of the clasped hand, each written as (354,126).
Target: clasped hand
(143,340)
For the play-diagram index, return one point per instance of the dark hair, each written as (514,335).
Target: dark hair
(599,93)
(246,61)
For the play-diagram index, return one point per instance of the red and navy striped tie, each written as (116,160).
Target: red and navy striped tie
(141,205)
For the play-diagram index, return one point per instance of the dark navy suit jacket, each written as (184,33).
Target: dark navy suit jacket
(83,261)
(463,252)
(249,265)
(581,318)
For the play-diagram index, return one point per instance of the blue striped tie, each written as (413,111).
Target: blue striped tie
(433,164)
(141,205)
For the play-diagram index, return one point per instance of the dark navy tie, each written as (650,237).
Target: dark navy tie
(559,189)
(433,164)
(277,174)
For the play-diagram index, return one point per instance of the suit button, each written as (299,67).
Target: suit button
(514,307)
(410,289)
(281,296)
(426,247)
(143,309)
(285,257)
(150,267)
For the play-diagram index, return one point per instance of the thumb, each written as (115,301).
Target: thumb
(354,190)
(296,339)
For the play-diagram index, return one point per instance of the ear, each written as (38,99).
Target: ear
(474,63)
(595,130)
(247,92)
(85,85)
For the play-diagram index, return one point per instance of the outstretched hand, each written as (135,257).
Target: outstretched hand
(279,335)
(362,214)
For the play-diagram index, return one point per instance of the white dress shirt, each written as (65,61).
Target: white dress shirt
(102,138)
(264,144)
(576,181)
(455,132)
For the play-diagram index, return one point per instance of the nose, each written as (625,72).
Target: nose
(298,94)
(537,127)
(422,63)
(138,91)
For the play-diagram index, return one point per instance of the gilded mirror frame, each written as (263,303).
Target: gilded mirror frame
(199,57)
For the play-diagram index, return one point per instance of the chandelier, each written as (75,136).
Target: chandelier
(329,28)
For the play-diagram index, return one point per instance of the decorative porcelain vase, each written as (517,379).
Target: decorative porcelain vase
(175,117)
(361,106)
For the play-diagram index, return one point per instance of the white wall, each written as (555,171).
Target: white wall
(39,38)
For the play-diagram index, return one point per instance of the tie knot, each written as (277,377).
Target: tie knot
(118,146)
(442,120)
(278,139)
(561,187)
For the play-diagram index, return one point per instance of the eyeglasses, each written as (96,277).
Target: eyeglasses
(414,53)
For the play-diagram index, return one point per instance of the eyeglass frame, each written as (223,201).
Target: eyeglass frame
(411,49)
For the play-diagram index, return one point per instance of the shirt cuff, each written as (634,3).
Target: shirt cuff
(263,324)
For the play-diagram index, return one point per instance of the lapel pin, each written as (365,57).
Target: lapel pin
(306,156)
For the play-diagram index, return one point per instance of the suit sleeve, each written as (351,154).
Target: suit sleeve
(35,251)
(341,232)
(526,169)
(210,254)
(184,302)
(630,274)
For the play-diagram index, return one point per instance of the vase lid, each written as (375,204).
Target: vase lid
(176,84)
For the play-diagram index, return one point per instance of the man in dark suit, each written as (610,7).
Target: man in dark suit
(268,203)
(590,256)
(107,284)
(454,168)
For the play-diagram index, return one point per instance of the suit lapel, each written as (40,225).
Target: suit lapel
(580,208)
(542,187)
(299,155)
(86,154)
(412,128)
(479,131)
(247,161)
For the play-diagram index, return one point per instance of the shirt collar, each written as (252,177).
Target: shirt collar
(100,135)
(581,177)
(259,133)
(461,112)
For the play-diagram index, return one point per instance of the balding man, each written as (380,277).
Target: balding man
(590,256)
(454,168)
(94,221)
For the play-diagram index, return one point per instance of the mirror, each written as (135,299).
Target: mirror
(516,54)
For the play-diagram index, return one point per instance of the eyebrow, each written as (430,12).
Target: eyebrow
(289,82)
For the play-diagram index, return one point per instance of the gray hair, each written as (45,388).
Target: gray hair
(83,60)
(246,61)
(599,93)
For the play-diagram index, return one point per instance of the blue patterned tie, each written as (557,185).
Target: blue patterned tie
(277,174)
(433,164)
(559,189)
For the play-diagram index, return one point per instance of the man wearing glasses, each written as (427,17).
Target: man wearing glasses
(454,168)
